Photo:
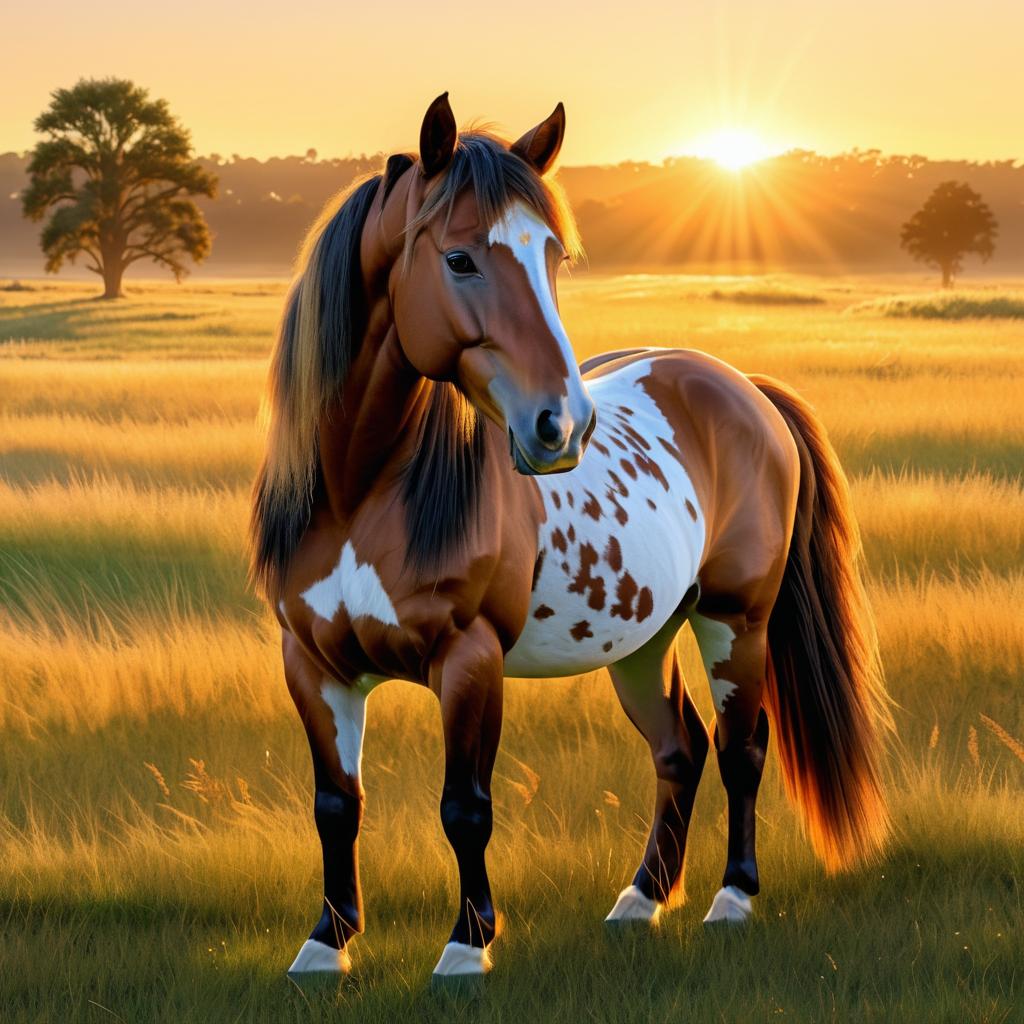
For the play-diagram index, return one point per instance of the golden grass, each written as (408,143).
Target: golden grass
(209,452)
(909,522)
(81,676)
(58,674)
(140,390)
(970,410)
(155,828)
(83,512)
(914,521)
(963,632)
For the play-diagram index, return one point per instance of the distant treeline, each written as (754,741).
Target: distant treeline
(797,211)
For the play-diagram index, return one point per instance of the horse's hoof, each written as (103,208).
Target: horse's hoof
(318,961)
(633,910)
(461,969)
(731,906)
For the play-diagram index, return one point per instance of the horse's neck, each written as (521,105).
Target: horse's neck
(380,404)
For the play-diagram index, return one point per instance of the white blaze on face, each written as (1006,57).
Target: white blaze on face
(356,586)
(715,640)
(527,237)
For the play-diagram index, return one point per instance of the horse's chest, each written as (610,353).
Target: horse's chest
(620,545)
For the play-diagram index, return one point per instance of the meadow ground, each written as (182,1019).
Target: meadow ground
(158,860)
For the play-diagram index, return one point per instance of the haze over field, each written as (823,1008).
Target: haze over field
(935,89)
(799,211)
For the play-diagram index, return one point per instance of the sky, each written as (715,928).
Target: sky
(642,80)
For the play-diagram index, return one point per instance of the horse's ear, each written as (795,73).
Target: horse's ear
(540,145)
(437,137)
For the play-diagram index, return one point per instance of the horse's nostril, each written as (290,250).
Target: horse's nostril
(549,430)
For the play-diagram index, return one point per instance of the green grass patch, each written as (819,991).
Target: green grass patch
(767,296)
(948,306)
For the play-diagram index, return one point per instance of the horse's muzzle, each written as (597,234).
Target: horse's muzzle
(541,457)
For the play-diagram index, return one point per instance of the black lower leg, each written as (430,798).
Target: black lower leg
(467,818)
(338,814)
(679,770)
(741,765)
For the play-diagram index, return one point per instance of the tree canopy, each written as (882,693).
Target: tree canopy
(116,174)
(954,222)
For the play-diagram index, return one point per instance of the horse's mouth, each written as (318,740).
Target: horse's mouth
(524,465)
(520,461)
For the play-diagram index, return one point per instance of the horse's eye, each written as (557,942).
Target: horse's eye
(460,263)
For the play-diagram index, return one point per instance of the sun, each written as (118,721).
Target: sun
(733,148)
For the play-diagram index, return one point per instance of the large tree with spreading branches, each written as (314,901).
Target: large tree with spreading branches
(116,174)
(954,222)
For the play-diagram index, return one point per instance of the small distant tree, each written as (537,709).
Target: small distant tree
(116,173)
(955,222)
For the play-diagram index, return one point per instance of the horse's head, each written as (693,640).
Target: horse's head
(473,292)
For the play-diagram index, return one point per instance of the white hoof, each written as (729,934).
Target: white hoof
(319,958)
(730,906)
(458,960)
(633,905)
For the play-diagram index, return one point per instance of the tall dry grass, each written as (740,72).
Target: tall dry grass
(158,858)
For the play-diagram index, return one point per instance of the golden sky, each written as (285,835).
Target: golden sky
(642,79)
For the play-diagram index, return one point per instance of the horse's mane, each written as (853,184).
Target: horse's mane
(322,327)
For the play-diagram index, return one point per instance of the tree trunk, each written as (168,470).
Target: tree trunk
(112,274)
(947,276)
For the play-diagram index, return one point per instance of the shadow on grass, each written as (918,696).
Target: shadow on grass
(924,453)
(75,319)
(74,580)
(916,938)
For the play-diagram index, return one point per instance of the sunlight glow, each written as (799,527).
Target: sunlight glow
(733,149)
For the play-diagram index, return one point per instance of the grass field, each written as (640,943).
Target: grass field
(158,860)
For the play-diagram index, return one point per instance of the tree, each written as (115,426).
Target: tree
(116,172)
(953,223)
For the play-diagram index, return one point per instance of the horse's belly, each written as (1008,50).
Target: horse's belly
(621,543)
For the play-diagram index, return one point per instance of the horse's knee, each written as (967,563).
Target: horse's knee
(741,761)
(467,818)
(681,762)
(337,814)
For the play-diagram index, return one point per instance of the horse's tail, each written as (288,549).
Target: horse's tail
(826,693)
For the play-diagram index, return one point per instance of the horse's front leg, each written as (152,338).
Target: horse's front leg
(467,676)
(333,714)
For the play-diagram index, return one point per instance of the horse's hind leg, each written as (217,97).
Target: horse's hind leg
(735,651)
(333,714)
(650,686)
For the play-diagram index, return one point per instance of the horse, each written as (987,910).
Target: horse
(447,498)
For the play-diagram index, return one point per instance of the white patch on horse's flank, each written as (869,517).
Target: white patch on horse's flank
(354,585)
(458,958)
(318,958)
(730,906)
(633,905)
(526,236)
(573,627)
(715,640)
(348,708)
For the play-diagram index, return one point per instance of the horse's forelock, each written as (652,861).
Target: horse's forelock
(483,162)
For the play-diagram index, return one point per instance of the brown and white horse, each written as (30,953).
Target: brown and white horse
(425,511)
